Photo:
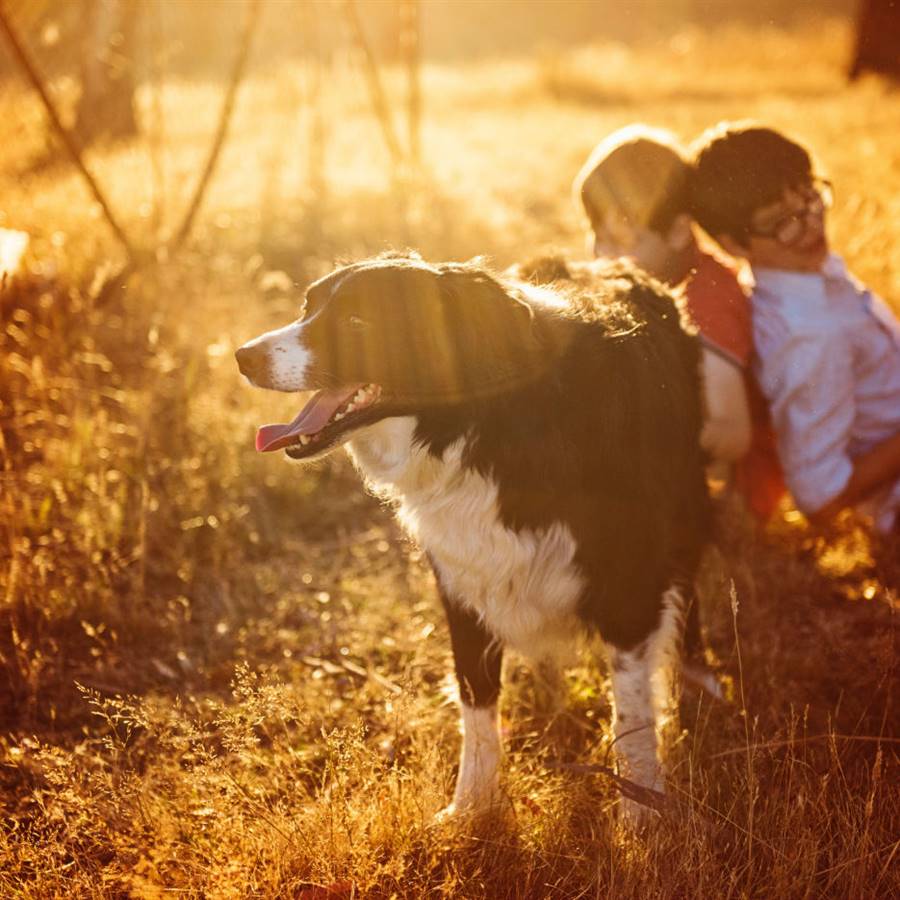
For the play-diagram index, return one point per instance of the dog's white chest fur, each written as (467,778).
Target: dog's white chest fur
(523,584)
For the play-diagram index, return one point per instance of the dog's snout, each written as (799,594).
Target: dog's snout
(251,361)
(276,360)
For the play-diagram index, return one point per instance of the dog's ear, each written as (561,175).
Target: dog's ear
(497,343)
(485,301)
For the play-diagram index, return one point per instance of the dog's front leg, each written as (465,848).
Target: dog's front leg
(477,658)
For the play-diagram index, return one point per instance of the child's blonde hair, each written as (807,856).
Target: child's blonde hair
(638,172)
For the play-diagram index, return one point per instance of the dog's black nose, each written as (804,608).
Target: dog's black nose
(248,360)
(242,355)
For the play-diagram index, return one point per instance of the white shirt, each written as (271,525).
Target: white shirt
(828,360)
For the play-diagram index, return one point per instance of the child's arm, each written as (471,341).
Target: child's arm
(871,471)
(808,382)
(727,430)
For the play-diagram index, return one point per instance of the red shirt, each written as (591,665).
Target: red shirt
(721,311)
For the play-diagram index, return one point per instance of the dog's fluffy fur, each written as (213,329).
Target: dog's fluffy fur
(540,443)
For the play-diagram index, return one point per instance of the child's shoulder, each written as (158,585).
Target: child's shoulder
(719,306)
(713,275)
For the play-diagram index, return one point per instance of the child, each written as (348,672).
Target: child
(635,190)
(828,350)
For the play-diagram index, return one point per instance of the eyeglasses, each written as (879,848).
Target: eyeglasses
(790,227)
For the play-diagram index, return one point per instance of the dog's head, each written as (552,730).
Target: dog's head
(388,337)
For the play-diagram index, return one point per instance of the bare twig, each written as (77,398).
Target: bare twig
(317,133)
(627,788)
(657,800)
(69,141)
(376,90)
(792,742)
(410,37)
(157,135)
(345,665)
(251,21)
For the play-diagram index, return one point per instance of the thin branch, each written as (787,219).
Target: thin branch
(251,21)
(792,742)
(411,38)
(629,789)
(69,141)
(657,800)
(376,90)
(333,668)
(157,135)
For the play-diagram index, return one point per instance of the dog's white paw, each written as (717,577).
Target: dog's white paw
(465,815)
(637,817)
(451,815)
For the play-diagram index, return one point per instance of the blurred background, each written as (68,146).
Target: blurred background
(326,98)
(219,672)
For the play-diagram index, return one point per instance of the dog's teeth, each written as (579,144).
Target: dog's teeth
(363,397)
(305,439)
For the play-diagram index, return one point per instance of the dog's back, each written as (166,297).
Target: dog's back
(605,441)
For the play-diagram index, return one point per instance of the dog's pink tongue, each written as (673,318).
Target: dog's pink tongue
(312,418)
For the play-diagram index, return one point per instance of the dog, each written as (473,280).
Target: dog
(541,444)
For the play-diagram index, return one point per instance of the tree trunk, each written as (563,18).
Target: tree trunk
(877,39)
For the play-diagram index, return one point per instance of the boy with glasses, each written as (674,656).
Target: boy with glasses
(827,349)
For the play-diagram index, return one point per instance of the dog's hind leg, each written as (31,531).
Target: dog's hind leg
(477,658)
(639,691)
(634,723)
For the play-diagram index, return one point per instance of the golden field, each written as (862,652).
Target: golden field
(223,676)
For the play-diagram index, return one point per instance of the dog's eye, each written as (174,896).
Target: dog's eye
(356,322)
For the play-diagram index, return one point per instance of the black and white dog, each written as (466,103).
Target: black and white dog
(542,446)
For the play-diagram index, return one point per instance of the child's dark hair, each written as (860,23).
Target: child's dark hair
(637,172)
(739,167)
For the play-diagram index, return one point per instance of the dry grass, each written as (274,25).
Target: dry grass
(222,676)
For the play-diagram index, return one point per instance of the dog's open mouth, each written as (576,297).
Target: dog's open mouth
(327,413)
